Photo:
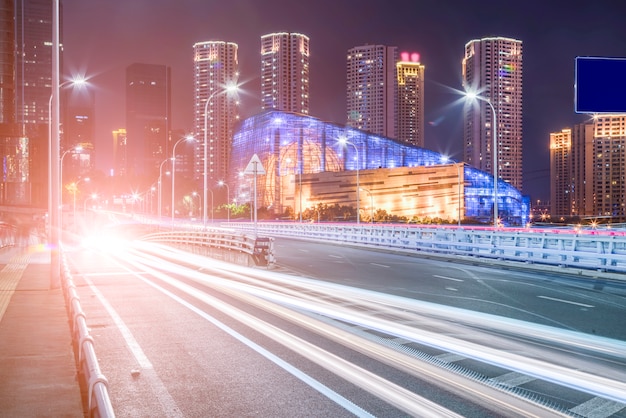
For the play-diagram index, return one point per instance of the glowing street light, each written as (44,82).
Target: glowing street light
(223,183)
(160,185)
(230,88)
(187,138)
(196,194)
(93,196)
(470,95)
(344,141)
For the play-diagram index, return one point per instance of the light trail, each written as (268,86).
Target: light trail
(277,288)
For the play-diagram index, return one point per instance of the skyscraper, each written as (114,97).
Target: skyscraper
(372,89)
(148,110)
(216,67)
(33,37)
(285,72)
(410,116)
(7,58)
(561,181)
(609,166)
(492,68)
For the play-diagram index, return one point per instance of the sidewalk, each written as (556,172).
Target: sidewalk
(37,368)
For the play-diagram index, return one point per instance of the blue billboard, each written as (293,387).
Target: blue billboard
(600,85)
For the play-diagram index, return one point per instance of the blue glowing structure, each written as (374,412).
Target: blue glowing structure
(299,144)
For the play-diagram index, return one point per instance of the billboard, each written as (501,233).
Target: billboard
(600,85)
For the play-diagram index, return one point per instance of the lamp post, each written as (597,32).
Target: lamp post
(371,203)
(223,183)
(77,148)
(160,188)
(472,95)
(196,194)
(344,141)
(226,89)
(75,190)
(211,204)
(187,138)
(92,197)
(54,179)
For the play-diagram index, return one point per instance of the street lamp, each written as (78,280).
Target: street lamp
(223,183)
(371,203)
(472,95)
(187,138)
(195,194)
(343,141)
(160,185)
(77,148)
(75,190)
(92,197)
(230,88)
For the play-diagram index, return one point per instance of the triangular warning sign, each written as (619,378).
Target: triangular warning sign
(255,166)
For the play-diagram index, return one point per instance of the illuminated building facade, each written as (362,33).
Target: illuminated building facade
(216,66)
(33,38)
(582,169)
(492,68)
(285,72)
(609,166)
(371,89)
(561,181)
(304,162)
(148,112)
(410,81)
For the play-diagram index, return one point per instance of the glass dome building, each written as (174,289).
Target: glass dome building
(307,161)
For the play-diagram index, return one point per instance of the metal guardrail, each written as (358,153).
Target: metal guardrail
(228,245)
(600,251)
(99,403)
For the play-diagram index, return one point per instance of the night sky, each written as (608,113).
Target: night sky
(101,38)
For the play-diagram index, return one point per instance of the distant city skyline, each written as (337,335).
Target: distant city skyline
(437,30)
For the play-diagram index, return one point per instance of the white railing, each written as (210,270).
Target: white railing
(596,250)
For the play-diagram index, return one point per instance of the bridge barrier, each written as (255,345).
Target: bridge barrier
(99,403)
(223,244)
(592,250)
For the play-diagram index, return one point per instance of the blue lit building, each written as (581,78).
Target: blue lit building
(308,161)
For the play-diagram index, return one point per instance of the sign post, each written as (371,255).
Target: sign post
(255,167)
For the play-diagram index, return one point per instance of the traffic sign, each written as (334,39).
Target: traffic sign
(255,166)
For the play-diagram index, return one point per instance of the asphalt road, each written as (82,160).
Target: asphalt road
(181,341)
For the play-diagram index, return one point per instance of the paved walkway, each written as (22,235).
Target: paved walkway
(37,367)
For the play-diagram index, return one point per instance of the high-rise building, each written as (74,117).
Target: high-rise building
(410,116)
(285,72)
(119,152)
(372,89)
(216,67)
(492,69)
(79,130)
(7,58)
(148,113)
(33,37)
(609,166)
(561,181)
(582,169)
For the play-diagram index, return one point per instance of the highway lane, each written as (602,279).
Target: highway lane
(563,301)
(167,354)
(187,342)
(173,350)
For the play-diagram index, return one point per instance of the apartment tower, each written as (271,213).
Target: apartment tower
(285,72)
(148,114)
(561,181)
(216,67)
(371,89)
(492,69)
(410,116)
(609,166)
